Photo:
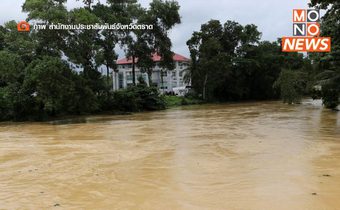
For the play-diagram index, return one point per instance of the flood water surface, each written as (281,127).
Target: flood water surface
(250,156)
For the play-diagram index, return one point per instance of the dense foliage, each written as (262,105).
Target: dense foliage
(229,62)
(328,64)
(48,87)
(48,73)
(291,86)
(138,98)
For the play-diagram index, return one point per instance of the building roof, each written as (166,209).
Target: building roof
(155,58)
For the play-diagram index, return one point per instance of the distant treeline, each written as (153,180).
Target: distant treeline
(229,62)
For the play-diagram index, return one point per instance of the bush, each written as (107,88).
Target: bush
(291,86)
(138,98)
(13,102)
(330,96)
(56,89)
(173,101)
(47,87)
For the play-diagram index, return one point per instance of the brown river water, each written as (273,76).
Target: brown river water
(249,156)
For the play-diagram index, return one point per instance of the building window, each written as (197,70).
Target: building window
(121,81)
(129,76)
(183,65)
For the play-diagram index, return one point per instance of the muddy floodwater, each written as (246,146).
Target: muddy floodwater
(249,156)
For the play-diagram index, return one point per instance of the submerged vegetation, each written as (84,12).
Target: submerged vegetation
(138,98)
(291,86)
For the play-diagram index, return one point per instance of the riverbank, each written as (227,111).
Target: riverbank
(127,106)
(170,102)
(173,101)
(37,108)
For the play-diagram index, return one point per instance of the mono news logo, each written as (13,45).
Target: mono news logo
(306,33)
(306,22)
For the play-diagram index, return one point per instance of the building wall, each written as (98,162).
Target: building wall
(171,79)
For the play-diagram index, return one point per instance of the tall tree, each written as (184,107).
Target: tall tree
(143,44)
(82,47)
(22,44)
(88,3)
(107,39)
(213,50)
(2,37)
(12,102)
(49,42)
(329,63)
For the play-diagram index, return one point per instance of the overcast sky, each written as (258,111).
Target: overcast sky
(273,17)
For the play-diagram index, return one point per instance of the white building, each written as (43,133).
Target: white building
(171,78)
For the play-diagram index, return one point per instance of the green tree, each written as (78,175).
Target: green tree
(11,68)
(2,37)
(143,44)
(82,47)
(107,40)
(229,63)
(48,42)
(329,63)
(216,51)
(56,89)
(12,102)
(291,86)
(206,50)
(18,43)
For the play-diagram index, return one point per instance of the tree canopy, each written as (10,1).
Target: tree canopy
(54,72)
(229,62)
(328,64)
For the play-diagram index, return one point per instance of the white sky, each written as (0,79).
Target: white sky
(273,17)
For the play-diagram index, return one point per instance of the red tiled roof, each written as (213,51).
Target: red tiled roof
(155,58)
